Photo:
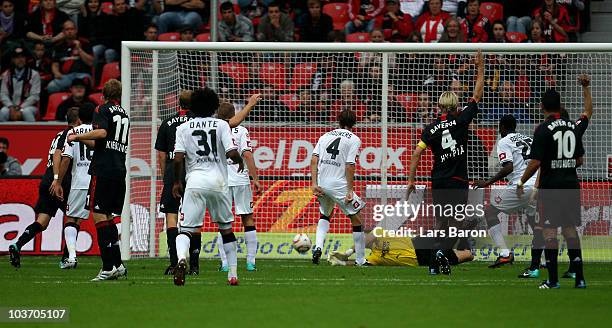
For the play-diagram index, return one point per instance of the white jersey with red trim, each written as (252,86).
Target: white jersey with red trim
(515,148)
(335,149)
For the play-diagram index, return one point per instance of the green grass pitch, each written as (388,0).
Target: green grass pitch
(293,293)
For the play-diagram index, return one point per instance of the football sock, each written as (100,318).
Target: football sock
(194,250)
(498,238)
(30,232)
(250,236)
(551,252)
(71,231)
(322,229)
(221,251)
(359,239)
(537,247)
(575,256)
(114,240)
(171,234)
(105,245)
(182,246)
(229,246)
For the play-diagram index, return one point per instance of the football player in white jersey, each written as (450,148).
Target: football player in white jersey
(76,212)
(333,170)
(513,154)
(240,189)
(203,145)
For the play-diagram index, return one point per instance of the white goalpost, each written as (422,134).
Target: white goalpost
(393,88)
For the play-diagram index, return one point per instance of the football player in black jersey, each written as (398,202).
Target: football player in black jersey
(53,190)
(538,243)
(447,138)
(169,205)
(110,136)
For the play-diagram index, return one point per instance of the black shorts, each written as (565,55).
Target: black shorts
(449,191)
(167,203)
(48,204)
(105,195)
(559,207)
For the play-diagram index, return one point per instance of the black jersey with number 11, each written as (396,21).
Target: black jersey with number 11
(447,138)
(110,152)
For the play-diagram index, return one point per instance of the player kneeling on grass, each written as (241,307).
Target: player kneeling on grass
(399,251)
(202,148)
(513,154)
(53,190)
(240,189)
(333,169)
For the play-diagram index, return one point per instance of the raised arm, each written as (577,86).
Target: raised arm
(585,81)
(479,87)
(242,115)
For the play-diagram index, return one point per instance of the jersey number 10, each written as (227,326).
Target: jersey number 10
(566,143)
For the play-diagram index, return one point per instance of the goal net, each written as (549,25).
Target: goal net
(393,88)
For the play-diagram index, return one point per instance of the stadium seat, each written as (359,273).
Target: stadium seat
(238,72)
(408,101)
(107,7)
(109,71)
(338,13)
(302,75)
(291,100)
(358,37)
(55,99)
(274,74)
(203,37)
(516,37)
(170,36)
(98,98)
(493,11)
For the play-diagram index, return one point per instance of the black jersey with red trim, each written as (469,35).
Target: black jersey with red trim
(166,138)
(557,144)
(57,143)
(581,125)
(110,153)
(447,138)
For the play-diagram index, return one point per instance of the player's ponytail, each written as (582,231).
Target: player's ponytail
(448,101)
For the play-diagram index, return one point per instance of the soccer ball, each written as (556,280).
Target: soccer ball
(301,243)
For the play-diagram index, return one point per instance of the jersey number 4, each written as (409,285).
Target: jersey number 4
(333,148)
(447,140)
(203,142)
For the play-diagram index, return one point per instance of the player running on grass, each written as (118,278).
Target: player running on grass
(240,188)
(447,139)
(53,191)
(203,145)
(333,170)
(76,212)
(513,154)
(398,251)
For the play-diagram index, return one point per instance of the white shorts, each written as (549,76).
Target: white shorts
(76,204)
(243,199)
(508,202)
(331,197)
(194,204)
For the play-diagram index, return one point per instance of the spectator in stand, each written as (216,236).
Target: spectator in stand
(315,25)
(499,32)
(363,15)
(72,59)
(519,14)
(178,13)
(348,100)
(476,25)
(396,25)
(78,98)
(12,164)
(414,37)
(126,24)
(3,167)
(555,19)
(276,26)
(431,23)
(42,62)
(425,110)
(95,26)
(20,90)
(536,35)
(186,34)
(453,32)
(71,8)
(232,27)
(454,7)
(151,33)
(414,8)
(45,23)
(12,23)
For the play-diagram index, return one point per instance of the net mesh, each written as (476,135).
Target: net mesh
(303,92)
